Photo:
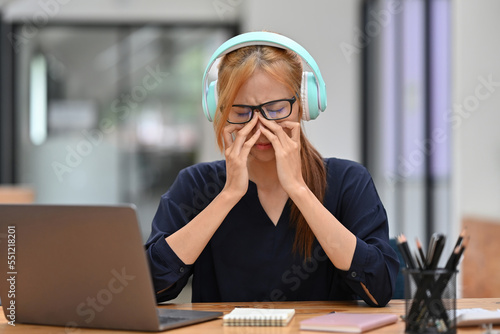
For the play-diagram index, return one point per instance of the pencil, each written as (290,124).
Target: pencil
(460,237)
(452,259)
(463,246)
(419,263)
(430,250)
(405,251)
(451,267)
(421,252)
(438,249)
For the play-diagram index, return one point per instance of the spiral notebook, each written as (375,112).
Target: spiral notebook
(258,317)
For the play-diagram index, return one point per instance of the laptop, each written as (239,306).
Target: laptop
(80,266)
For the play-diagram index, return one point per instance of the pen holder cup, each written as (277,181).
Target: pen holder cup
(430,301)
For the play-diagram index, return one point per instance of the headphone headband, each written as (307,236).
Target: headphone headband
(269,39)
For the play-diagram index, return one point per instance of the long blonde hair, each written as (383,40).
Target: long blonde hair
(285,66)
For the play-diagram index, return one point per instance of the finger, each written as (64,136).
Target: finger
(242,134)
(272,138)
(233,127)
(294,128)
(250,143)
(229,132)
(272,125)
(227,136)
(239,136)
(277,129)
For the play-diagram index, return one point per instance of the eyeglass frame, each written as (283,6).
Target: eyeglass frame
(259,107)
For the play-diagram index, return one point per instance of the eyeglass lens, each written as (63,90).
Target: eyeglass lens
(272,110)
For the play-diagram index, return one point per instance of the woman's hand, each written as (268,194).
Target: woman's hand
(189,241)
(236,152)
(285,138)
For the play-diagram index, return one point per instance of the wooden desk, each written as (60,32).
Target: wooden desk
(304,310)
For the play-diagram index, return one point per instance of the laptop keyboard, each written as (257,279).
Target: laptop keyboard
(169,319)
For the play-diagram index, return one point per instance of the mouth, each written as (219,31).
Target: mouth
(263,146)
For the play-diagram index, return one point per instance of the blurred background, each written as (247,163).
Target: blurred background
(100,101)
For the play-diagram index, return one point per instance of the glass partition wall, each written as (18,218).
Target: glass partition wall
(110,114)
(406,103)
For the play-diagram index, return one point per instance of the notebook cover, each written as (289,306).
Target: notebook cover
(476,317)
(348,322)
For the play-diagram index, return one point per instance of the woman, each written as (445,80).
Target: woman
(274,220)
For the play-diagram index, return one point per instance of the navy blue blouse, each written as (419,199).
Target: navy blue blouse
(251,259)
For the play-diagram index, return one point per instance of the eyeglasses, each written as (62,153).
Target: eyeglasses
(272,110)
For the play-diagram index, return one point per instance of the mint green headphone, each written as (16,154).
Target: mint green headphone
(313,88)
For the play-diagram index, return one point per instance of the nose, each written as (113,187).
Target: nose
(257,126)
(255,110)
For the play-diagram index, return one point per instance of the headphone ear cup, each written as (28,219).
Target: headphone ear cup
(211,101)
(304,97)
(309,96)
